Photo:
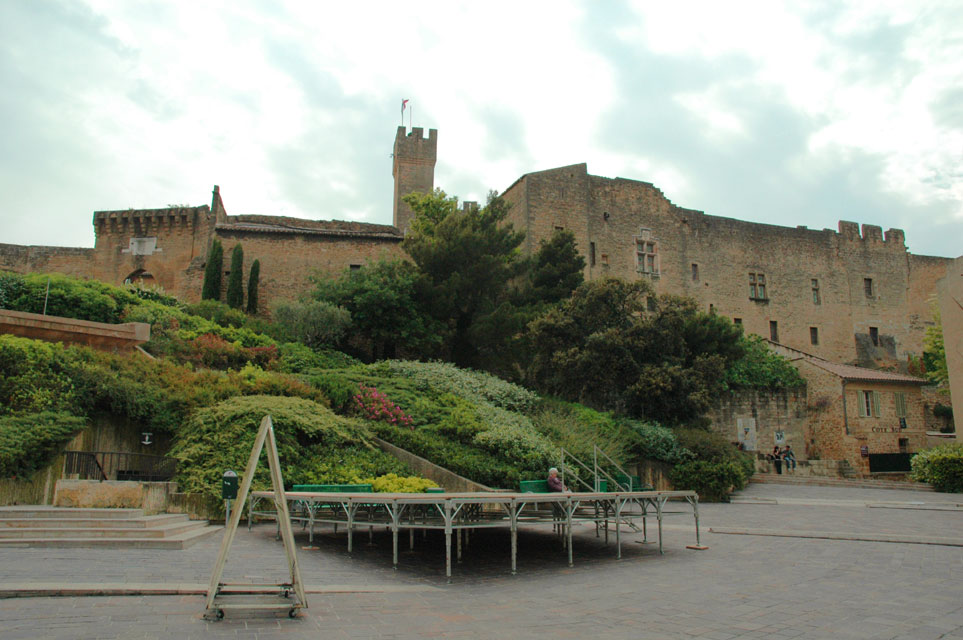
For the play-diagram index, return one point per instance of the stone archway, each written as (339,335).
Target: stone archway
(141,278)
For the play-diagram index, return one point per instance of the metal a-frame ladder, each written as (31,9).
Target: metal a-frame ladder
(220,595)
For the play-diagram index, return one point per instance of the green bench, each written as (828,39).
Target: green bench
(332,488)
(533,486)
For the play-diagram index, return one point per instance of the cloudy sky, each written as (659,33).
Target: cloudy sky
(781,112)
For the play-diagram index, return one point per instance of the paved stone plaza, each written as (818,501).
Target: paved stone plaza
(743,586)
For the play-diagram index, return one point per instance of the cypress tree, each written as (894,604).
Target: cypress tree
(252,282)
(212,272)
(235,289)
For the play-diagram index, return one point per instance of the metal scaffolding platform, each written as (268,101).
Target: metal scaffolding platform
(460,513)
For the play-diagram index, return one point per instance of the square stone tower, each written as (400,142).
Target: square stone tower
(413,169)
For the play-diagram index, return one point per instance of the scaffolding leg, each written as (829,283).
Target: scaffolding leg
(411,539)
(605,510)
(350,536)
(658,507)
(514,521)
(618,529)
(394,548)
(458,543)
(569,526)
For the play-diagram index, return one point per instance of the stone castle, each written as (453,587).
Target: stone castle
(852,295)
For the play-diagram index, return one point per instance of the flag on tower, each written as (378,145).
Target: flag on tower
(404,103)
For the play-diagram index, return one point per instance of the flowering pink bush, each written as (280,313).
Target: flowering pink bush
(374,405)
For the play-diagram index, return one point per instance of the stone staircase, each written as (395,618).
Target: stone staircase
(821,481)
(38,526)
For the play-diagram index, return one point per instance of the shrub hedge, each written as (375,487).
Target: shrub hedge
(29,441)
(315,446)
(940,466)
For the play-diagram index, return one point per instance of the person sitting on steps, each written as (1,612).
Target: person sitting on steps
(790,458)
(776,459)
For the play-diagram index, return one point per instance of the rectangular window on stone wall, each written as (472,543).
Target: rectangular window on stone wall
(647,253)
(869,404)
(874,335)
(695,272)
(816,298)
(900,399)
(813,335)
(757,286)
(774,331)
(737,320)
(591,254)
(868,287)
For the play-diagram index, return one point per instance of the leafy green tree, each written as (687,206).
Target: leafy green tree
(469,257)
(314,323)
(557,268)
(614,345)
(384,299)
(934,352)
(235,287)
(212,272)
(253,281)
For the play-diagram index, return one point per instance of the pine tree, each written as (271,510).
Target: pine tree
(252,283)
(235,288)
(212,273)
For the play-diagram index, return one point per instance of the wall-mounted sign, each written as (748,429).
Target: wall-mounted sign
(780,437)
(864,451)
(886,429)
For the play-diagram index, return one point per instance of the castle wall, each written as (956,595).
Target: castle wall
(72,261)
(816,282)
(759,420)
(288,260)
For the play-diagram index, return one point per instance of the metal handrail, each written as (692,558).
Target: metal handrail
(616,465)
(581,464)
(119,465)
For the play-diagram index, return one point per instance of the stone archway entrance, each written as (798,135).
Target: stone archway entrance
(141,278)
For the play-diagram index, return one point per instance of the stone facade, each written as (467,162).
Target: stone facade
(759,420)
(850,295)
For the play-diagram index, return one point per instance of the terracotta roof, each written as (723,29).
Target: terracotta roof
(849,372)
(333,228)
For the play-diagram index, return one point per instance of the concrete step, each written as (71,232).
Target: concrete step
(161,531)
(33,511)
(819,481)
(178,541)
(92,523)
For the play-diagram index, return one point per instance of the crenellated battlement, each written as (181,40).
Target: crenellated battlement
(415,146)
(871,234)
(146,222)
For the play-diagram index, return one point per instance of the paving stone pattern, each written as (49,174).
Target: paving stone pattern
(742,587)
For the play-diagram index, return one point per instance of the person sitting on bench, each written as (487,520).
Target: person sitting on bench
(555,484)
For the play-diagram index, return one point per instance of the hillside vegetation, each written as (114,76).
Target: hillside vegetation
(219,371)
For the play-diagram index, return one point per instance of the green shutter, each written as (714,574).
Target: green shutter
(876,403)
(900,404)
(861,403)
